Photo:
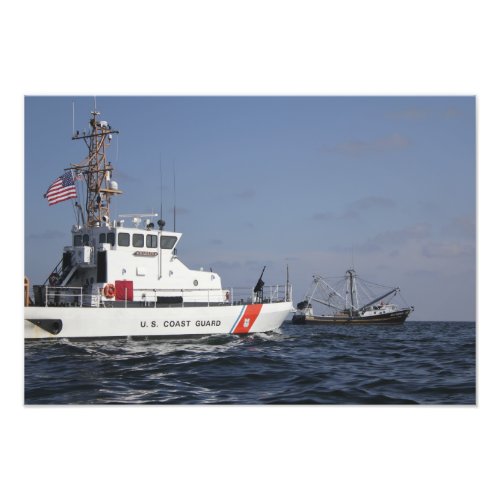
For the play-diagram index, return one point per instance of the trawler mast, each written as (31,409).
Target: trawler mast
(96,171)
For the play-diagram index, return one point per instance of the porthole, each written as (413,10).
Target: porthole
(195,282)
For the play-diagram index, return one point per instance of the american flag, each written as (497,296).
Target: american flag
(63,188)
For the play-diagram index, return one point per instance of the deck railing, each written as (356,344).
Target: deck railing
(215,297)
(50,296)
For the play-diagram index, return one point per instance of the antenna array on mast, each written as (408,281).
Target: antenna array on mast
(96,171)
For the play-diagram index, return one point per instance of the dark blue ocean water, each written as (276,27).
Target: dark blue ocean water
(414,363)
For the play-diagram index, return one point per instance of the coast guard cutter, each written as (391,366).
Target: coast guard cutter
(122,278)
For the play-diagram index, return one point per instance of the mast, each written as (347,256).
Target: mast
(350,272)
(97,171)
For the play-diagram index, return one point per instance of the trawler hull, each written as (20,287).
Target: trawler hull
(100,323)
(396,317)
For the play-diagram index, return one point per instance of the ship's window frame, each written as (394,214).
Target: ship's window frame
(110,238)
(102,237)
(151,241)
(77,240)
(86,240)
(138,240)
(167,242)
(123,239)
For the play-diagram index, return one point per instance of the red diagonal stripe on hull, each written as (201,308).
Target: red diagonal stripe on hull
(248,319)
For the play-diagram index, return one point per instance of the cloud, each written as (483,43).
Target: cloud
(421,273)
(396,238)
(246,194)
(331,216)
(355,209)
(179,211)
(411,114)
(414,232)
(448,250)
(386,144)
(372,203)
(348,215)
(428,207)
(461,227)
(47,235)
(452,112)
(418,114)
(323,216)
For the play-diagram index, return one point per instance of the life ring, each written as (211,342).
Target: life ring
(109,291)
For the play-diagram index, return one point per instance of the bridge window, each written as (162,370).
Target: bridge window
(152,241)
(102,238)
(138,240)
(86,239)
(110,238)
(168,242)
(124,239)
(77,240)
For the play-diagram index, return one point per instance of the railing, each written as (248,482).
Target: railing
(59,296)
(271,293)
(215,297)
(75,297)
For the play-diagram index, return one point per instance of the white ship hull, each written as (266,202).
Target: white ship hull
(86,323)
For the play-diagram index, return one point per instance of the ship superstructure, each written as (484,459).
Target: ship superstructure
(139,261)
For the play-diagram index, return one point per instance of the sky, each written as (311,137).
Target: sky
(386,184)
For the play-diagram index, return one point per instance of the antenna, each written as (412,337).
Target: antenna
(161,222)
(287,289)
(161,190)
(73,118)
(175,199)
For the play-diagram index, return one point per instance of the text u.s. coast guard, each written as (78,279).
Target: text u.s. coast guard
(180,323)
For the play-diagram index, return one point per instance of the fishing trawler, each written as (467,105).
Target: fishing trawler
(351,301)
(123,278)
